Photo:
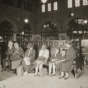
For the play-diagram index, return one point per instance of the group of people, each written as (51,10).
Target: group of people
(56,57)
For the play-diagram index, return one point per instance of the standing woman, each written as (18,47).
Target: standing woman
(16,57)
(67,62)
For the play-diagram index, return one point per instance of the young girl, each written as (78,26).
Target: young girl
(42,59)
(55,56)
(63,52)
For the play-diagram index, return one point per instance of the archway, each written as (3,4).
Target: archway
(49,31)
(25,34)
(75,28)
(6,30)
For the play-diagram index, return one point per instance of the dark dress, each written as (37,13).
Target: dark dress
(57,56)
(67,65)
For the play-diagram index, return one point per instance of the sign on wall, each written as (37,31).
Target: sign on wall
(54,43)
(84,42)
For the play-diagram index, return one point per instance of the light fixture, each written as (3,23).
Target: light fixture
(0,37)
(72,14)
(43,1)
(22,33)
(85,21)
(26,20)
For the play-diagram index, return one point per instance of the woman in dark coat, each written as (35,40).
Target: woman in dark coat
(67,63)
(16,57)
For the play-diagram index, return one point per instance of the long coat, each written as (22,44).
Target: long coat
(15,60)
(69,57)
(28,68)
(31,55)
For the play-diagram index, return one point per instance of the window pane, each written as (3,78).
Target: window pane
(43,8)
(85,2)
(49,6)
(55,6)
(77,3)
(69,3)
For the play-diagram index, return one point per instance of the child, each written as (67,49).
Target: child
(42,59)
(55,56)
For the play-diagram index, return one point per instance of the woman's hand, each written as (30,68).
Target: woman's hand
(63,60)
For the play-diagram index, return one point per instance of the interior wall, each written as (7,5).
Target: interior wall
(36,19)
(17,16)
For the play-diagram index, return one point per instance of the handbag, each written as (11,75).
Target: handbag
(15,57)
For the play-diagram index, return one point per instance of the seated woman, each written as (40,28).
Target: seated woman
(55,56)
(42,58)
(16,57)
(67,62)
(29,58)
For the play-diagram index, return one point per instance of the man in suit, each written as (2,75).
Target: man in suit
(67,63)
(9,52)
(29,58)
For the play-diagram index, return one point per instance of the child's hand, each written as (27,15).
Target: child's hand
(63,60)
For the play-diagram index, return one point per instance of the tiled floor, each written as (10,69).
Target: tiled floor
(30,81)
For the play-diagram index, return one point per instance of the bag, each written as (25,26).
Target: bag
(43,72)
(19,71)
(15,57)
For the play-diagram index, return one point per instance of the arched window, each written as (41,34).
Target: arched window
(49,31)
(6,30)
(25,34)
(77,28)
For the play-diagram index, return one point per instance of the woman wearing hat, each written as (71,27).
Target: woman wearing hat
(67,62)
(29,58)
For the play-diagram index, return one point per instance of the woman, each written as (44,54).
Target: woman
(42,59)
(55,56)
(67,62)
(16,57)
(29,58)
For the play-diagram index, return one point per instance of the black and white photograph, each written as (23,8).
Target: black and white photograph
(43,43)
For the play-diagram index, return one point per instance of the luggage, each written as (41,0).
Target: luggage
(43,72)
(19,71)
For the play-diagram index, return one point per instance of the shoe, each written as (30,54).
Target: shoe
(49,74)
(9,70)
(53,75)
(3,70)
(65,78)
(25,73)
(36,75)
(61,77)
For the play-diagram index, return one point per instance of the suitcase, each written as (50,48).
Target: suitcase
(19,71)
(43,72)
